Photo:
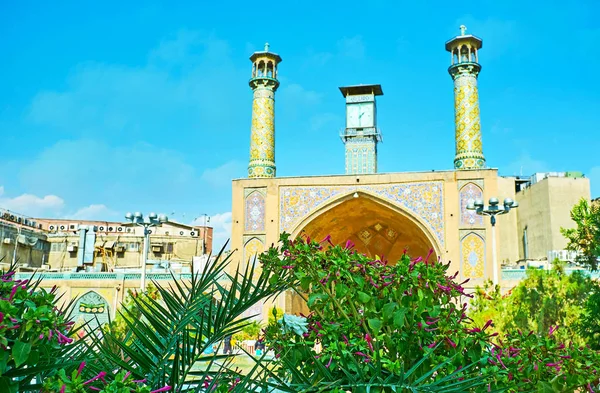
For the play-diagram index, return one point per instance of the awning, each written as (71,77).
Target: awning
(109,245)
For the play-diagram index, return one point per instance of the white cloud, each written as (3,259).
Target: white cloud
(32,205)
(78,169)
(353,47)
(95,212)
(221,224)
(221,176)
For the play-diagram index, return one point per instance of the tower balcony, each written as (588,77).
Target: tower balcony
(353,133)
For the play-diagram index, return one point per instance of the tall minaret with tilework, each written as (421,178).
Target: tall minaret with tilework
(264,83)
(464,71)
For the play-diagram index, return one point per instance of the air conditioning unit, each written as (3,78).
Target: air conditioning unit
(26,222)
(73,226)
(12,217)
(120,229)
(129,230)
(194,234)
(101,228)
(39,226)
(51,227)
(62,227)
(19,219)
(110,229)
(157,247)
(33,224)
(7,240)
(181,233)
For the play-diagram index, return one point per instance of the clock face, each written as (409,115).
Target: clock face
(360,115)
(352,112)
(366,116)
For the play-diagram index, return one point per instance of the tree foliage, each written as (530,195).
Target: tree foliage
(378,327)
(545,298)
(589,325)
(585,237)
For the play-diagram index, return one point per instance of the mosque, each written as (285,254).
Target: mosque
(382,213)
(385,213)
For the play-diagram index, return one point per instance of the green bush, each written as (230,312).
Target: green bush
(402,327)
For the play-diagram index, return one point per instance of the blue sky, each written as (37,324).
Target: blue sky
(114,106)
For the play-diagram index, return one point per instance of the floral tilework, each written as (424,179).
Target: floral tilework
(424,200)
(472,256)
(255,212)
(252,247)
(469,193)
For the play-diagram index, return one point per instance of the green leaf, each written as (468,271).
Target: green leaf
(20,352)
(363,297)
(360,281)
(375,324)
(313,297)
(8,386)
(305,283)
(340,290)
(388,310)
(399,318)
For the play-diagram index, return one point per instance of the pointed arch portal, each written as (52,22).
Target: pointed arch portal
(376,227)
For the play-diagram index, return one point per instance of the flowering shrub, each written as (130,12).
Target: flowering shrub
(122,382)
(375,324)
(33,331)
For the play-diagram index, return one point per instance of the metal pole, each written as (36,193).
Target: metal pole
(14,259)
(494,257)
(145,258)
(204,237)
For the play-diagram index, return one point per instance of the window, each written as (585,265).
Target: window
(170,248)
(134,246)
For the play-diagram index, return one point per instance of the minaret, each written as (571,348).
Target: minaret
(262,138)
(464,70)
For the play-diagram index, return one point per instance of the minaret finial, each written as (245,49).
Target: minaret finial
(463,29)
(266,46)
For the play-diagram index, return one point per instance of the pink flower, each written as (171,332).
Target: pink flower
(452,343)
(81,366)
(165,389)
(327,239)
(349,244)
(100,375)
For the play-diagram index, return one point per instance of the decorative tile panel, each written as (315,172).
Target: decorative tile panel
(253,245)
(91,308)
(254,216)
(469,193)
(424,199)
(262,141)
(469,153)
(472,254)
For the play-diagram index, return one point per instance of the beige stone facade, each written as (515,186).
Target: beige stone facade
(545,208)
(120,246)
(419,211)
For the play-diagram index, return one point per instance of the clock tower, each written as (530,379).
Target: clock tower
(361,134)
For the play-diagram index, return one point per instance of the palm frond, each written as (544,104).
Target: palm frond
(173,334)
